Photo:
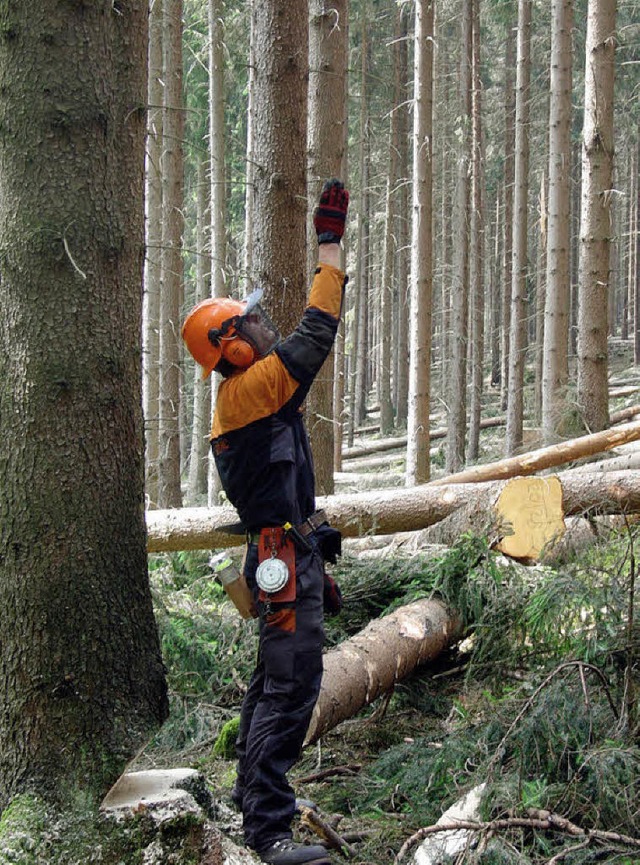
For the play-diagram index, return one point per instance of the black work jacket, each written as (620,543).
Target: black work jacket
(259,441)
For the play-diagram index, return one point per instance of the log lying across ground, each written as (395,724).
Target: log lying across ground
(547,457)
(397,510)
(362,668)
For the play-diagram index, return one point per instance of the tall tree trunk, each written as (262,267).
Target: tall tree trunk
(218,195)
(636,284)
(556,315)
(509,179)
(389,248)
(595,227)
(496,295)
(421,250)
(81,672)
(476,245)
(403,216)
(201,423)
(328,32)
(281,39)
(457,394)
(359,388)
(541,291)
(517,339)
(153,262)
(169,494)
(249,194)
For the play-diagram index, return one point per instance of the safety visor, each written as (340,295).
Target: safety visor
(256,327)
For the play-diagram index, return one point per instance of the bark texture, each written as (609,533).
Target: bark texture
(81,674)
(596,219)
(281,54)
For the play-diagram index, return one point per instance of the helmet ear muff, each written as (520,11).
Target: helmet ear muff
(238,352)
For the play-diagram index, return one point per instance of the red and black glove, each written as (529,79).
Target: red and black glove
(331,212)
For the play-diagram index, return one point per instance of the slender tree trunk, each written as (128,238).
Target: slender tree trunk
(421,250)
(358,399)
(389,249)
(636,286)
(403,254)
(153,263)
(509,177)
(496,294)
(218,195)
(457,395)
(201,425)
(81,672)
(477,245)
(541,291)
(556,320)
(281,67)
(170,494)
(595,225)
(247,260)
(517,340)
(328,32)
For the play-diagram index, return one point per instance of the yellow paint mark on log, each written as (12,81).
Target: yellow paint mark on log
(533,508)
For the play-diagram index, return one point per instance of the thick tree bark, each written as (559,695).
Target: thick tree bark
(370,664)
(398,510)
(281,55)
(81,673)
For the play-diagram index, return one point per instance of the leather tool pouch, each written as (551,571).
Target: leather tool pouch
(275,543)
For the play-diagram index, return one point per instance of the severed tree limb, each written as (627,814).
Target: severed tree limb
(312,820)
(538,819)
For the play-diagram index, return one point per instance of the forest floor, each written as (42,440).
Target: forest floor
(538,704)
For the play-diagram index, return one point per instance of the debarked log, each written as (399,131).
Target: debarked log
(368,665)
(397,510)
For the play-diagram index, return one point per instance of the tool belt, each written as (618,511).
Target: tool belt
(311,524)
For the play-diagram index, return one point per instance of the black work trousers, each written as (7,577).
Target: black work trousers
(277,708)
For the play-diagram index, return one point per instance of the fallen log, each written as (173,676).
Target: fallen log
(390,444)
(389,511)
(624,414)
(582,493)
(547,457)
(361,669)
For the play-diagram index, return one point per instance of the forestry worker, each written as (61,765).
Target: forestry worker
(263,457)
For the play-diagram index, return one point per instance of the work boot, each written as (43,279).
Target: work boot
(289,852)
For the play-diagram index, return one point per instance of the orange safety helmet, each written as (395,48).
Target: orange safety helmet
(210,334)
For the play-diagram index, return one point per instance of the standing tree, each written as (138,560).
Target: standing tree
(153,262)
(595,223)
(280,49)
(421,250)
(82,678)
(555,361)
(457,392)
(328,32)
(517,340)
(170,494)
